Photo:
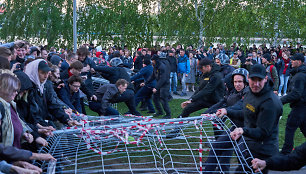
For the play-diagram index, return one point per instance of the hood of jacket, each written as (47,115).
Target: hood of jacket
(24,81)
(32,72)
(55,60)
(301,68)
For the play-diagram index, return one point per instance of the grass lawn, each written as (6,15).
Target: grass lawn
(175,106)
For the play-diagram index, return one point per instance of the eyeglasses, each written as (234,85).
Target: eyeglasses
(76,86)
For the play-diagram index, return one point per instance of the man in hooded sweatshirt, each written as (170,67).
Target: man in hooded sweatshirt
(161,94)
(210,91)
(42,105)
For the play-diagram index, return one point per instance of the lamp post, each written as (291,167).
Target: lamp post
(74,27)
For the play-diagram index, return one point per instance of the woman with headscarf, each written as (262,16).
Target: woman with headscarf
(43,106)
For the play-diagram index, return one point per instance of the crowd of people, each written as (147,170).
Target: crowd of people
(40,89)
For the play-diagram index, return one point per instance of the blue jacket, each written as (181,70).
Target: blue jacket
(183,65)
(72,100)
(281,65)
(143,75)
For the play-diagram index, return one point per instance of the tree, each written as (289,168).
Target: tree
(41,21)
(135,22)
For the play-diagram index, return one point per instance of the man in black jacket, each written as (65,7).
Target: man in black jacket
(114,73)
(161,73)
(261,110)
(210,91)
(292,161)
(106,96)
(297,99)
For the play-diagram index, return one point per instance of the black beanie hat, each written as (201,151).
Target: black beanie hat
(267,56)
(155,57)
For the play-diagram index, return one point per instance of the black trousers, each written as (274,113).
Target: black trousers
(296,119)
(128,97)
(220,154)
(161,97)
(195,106)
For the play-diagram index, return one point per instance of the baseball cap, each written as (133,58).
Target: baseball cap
(258,70)
(298,56)
(43,66)
(250,55)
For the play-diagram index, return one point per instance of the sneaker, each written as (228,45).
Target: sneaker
(137,113)
(167,117)
(143,109)
(176,93)
(285,94)
(157,114)
(184,94)
(279,94)
(170,98)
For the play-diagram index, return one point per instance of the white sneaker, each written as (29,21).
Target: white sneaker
(279,94)
(285,94)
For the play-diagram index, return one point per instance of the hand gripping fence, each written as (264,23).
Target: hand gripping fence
(139,144)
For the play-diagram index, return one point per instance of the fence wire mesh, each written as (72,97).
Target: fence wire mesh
(133,144)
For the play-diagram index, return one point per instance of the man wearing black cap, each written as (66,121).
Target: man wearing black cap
(210,91)
(261,110)
(271,70)
(161,73)
(297,99)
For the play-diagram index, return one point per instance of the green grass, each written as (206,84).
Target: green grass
(176,109)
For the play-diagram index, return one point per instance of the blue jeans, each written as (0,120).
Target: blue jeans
(97,107)
(173,81)
(145,93)
(283,83)
(184,87)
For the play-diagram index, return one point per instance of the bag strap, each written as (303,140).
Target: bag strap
(271,68)
(2,113)
(2,110)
